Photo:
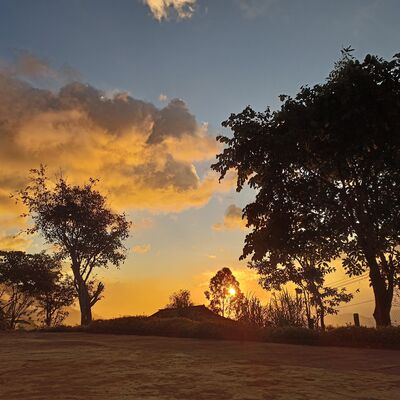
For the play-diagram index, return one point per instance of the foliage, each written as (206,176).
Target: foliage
(308,274)
(85,231)
(52,303)
(224,293)
(231,330)
(180,299)
(285,310)
(24,277)
(175,327)
(326,169)
(249,310)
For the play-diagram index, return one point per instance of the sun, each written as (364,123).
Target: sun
(232,291)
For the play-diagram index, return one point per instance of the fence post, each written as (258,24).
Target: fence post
(356,317)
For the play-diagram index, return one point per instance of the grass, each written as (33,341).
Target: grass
(386,338)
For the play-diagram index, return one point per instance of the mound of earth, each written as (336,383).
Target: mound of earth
(195,313)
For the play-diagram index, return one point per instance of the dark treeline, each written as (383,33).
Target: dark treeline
(87,235)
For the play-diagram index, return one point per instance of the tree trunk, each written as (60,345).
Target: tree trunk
(84,304)
(83,295)
(383,303)
(383,296)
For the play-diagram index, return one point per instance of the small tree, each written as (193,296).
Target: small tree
(250,311)
(224,292)
(180,299)
(78,222)
(52,302)
(308,273)
(285,310)
(23,277)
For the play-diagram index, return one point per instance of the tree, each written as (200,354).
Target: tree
(327,165)
(23,277)
(308,274)
(77,220)
(250,311)
(180,299)
(285,310)
(52,302)
(224,292)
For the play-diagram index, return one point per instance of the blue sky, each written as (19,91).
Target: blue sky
(218,61)
(226,55)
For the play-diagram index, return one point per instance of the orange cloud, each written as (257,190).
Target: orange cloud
(161,9)
(145,157)
(141,249)
(232,220)
(11,242)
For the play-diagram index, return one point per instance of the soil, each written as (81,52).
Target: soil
(84,366)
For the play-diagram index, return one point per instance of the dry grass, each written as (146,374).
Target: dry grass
(36,366)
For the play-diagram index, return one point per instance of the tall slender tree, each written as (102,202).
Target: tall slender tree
(224,292)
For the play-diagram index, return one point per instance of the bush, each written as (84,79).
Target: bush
(362,337)
(388,338)
(175,327)
(292,335)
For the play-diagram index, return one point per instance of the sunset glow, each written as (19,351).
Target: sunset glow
(135,99)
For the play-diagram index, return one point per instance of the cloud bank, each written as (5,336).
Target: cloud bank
(164,9)
(232,220)
(145,157)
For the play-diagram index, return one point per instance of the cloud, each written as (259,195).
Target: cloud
(141,249)
(162,97)
(164,9)
(255,8)
(145,157)
(27,65)
(232,220)
(12,242)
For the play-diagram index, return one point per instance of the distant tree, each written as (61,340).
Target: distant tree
(326,166)
(285,310)
(308,273)
(52,303)
(23,277)
(180,299)
(224,292)
(85,231)
(250,311)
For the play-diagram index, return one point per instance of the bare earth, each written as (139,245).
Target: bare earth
(105,367)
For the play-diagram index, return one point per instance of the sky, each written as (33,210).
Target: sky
(133,92)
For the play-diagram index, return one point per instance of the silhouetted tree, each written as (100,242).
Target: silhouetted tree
(180,299)
(250,310)
(285,310)
(23,277)
(327,165)
(224,292)
(52,302)
(308,274)
(78,222)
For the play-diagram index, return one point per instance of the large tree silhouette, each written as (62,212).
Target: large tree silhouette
(330,155)
(77,220)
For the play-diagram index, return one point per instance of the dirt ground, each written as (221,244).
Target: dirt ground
(106,367)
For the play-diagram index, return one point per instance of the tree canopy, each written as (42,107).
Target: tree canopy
(85,231)
(224,292)
(326,170)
